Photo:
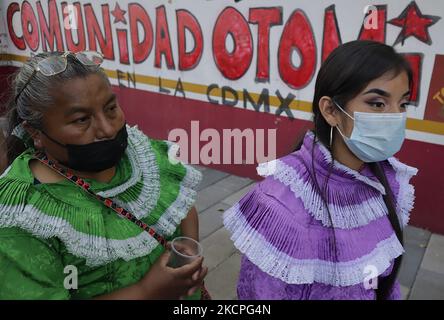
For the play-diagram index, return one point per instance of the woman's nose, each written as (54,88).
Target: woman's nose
(105,130)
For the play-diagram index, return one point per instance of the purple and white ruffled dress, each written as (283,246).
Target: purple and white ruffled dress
(286,236)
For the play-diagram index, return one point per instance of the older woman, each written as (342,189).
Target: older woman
(88,202)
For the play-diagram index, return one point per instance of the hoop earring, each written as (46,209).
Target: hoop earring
(331,136)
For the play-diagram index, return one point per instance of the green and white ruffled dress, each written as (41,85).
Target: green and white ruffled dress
(49,231)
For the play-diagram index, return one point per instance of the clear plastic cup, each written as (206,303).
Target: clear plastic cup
(184,250)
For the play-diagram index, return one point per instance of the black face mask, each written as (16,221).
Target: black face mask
(95,156)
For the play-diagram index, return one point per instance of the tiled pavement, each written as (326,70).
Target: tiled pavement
(421,275)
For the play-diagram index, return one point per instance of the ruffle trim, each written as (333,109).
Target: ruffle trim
(92,244)
(95,249)
(327,156)
(5,173)
(344,216)
(179,209)
(406,194)
(144,169)
(305,271)
(143,159)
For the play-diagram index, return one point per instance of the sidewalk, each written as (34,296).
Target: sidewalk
(421,275)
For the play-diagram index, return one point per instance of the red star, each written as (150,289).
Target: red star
(118,14)
(414,23)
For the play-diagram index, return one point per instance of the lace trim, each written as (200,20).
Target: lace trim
(96,250)
(6,171)
(143,165)
(406,194)
(136,172)
(345,216)
(145,157)
(179,209)
(342,216)
(327,156)
(306,271)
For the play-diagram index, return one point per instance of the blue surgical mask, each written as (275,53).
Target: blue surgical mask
(375,136)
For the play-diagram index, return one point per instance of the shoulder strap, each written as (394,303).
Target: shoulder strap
(106,201)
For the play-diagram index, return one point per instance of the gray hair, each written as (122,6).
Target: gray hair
(36,96)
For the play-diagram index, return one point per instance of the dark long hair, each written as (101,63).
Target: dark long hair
(343,75)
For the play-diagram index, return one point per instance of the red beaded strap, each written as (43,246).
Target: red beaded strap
(106,201)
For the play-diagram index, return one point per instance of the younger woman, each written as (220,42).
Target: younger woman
(326,223)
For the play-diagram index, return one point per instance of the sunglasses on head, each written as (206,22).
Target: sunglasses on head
(56,64)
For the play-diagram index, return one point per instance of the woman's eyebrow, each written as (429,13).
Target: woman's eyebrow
(74,110)
(378,91)
(383,93)
(110,99)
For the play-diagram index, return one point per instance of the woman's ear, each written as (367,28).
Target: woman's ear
(34,134)
(329,111)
